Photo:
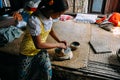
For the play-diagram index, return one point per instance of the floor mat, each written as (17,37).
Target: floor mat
(102,70)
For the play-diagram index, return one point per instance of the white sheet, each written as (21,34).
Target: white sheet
(87,18)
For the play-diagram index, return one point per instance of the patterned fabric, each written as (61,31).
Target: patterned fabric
(39,67)
(27,45)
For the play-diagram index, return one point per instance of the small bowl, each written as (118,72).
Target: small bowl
(74,45)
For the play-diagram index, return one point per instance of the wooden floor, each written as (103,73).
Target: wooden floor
(84,60)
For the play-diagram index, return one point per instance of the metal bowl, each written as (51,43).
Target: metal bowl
(74,45)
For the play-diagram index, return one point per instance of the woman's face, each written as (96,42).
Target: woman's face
(56,15)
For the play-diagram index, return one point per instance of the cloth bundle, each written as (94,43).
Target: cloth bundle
(9,34)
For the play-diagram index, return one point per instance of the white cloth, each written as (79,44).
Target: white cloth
(21,24)
(33,3)
(35,22)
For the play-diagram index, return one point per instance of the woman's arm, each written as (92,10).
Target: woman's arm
(39,44)
(52,33)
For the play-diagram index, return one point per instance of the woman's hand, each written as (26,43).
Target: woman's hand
(64,42)
(62,45)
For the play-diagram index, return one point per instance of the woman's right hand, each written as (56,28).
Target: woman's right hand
(62,45)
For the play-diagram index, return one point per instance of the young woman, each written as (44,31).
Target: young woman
(34,58)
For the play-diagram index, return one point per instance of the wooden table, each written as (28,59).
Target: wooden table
(85,60)
(71,31)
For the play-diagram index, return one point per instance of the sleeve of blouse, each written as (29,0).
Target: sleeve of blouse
(34,26)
